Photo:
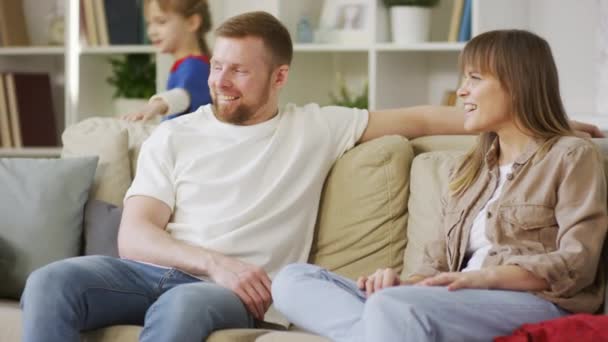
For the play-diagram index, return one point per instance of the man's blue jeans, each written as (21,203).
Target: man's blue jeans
(69,296)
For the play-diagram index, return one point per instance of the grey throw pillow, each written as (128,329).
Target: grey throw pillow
(101,221)
(41,214)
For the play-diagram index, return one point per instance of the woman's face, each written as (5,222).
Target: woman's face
(486,103)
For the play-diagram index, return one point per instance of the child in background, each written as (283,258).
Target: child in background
(178,27)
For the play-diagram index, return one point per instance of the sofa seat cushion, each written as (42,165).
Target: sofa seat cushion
(362,215)
(130,333)
(291,337)
(10,329)
(10,320)
(114,333)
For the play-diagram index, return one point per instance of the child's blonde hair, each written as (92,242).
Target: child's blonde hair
(188,8)
(523,64)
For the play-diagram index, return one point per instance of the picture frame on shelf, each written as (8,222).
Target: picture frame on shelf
(345,22)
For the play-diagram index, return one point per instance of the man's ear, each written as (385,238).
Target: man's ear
(281,75)
(194,22)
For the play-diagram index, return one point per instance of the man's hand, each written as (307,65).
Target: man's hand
(250,283)
(585,130)
(460,280)
(149,111)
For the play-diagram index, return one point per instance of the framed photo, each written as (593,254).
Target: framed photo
(345,21)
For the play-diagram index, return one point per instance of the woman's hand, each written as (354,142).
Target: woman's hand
(504,277)
(148,111)
(383,278)
(460,280)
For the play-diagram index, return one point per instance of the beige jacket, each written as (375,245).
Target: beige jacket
(550,218)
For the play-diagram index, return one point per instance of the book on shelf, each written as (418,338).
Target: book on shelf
(112,22)
(13,116)
(465,24)
(123,21)
(90,22)
(455,20)
(12,23)
(5,131)
(102,23)
(30,107)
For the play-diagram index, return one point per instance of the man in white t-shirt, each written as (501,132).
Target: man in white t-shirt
(222,198)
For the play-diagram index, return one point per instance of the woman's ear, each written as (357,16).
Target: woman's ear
(194,22)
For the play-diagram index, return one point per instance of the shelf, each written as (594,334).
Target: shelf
(117,49)
(331,47)
(32,50)
(31,152)
(430,46)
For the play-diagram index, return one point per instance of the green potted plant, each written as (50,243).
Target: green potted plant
(346,98)
(410,20)
(134,81)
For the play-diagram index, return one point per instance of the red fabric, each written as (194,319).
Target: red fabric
(179,61)
(573,328)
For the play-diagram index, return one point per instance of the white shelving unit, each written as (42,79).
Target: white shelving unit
(397,74)
(32,51)
(411,74)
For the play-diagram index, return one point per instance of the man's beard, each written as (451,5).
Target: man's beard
(242,113)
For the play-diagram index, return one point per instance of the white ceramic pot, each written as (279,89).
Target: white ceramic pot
(410,24)
(124,106)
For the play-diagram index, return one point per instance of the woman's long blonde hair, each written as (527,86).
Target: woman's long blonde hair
(523,64)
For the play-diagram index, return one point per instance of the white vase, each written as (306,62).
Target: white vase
(410,24)
(124,105)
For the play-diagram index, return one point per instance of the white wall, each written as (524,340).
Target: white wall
(571,29)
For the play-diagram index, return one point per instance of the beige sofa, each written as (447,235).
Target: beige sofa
(379,206)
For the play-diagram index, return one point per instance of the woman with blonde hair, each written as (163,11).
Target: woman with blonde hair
(523,221)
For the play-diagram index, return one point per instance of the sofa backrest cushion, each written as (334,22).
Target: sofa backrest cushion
(429,179)
(113,175)
(362,215)
(117,144)
(435,155)
(101,223)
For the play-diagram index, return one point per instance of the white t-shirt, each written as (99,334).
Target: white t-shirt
(248,192)
(478,245)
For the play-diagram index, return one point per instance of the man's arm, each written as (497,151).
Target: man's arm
(414,122)
(142,237)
